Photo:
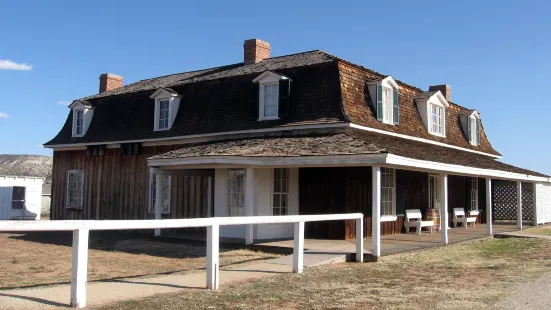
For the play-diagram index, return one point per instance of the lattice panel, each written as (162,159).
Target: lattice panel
(504,197)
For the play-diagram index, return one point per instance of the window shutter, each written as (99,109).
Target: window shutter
(469,129)
(477,132)
(284,92)
(396,112)
(253,101)
(379,107)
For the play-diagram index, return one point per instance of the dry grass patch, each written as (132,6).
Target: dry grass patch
(546,230)
(27,263)
(462,276)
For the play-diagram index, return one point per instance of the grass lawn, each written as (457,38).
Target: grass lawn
(462,276)
(45,258)
(546,230)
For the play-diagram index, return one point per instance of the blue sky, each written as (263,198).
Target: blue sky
(494,54)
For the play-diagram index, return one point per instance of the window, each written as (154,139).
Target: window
(280,202)
(164,110)
(18,197)
(437,119)
(236,192)
(473,131)
(387,192)
(387,105)
(95,150)
(166,193)
(130,148)
(271,93)
(75,182)
(79,122)
(474,194)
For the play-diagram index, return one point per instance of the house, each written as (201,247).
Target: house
(307,133)
(20,197)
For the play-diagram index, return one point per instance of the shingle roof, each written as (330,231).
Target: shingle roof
(349,142)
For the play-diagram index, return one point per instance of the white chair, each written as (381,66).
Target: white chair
(460,217)
(415,219)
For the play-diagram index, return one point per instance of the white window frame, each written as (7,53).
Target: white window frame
(81,190)
(474,194)
(474,125)
(153,193)
(385,172)
(283,193)
(434,192)
(238,196)
(442,118)
(262,99)
(173,99)
(77,119)
(166,120)
(388,105)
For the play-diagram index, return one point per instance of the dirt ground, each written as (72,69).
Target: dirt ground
(545,230)
(45,258)
(462,276)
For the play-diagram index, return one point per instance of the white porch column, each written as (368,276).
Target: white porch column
(213,257)
(159,186)
(489,228)
(249,204)
(376,213)
(298,248)
(535,202)
(444,207)
(519,205)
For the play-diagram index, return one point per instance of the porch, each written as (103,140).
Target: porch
(390,244)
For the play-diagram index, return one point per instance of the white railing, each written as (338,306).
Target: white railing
(81,229)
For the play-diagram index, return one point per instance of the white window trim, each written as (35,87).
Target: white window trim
(75,123)
(173,105)
(389,104)
(272,191)
(474,125)
(436,193)
(386,83)
(393,216)
(229,193)
(442,118)
(19,200)
(81,172)
(267,78)
(262,101)
(475,191)
(151,206)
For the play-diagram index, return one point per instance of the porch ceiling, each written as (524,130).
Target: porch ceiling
(346,147)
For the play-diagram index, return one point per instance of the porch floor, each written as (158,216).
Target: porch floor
(394,244)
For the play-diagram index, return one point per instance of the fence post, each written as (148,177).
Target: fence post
(79,270)
(359,240)
(298,249)
(213,244)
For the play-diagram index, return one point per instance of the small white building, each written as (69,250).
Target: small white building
(20,197)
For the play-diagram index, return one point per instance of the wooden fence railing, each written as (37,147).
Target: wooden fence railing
(82,228)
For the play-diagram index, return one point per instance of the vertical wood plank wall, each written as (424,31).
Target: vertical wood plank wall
(117,187)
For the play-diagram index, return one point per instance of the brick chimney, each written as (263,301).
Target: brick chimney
(255,50)
(109,81)
(445,89)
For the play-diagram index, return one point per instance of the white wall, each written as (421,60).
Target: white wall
(262,205)
(543,202)
(33,197)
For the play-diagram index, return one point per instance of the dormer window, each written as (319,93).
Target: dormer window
(470,121)
(269,97)
(167,103)
(385,98)
(432,109)
(82,116)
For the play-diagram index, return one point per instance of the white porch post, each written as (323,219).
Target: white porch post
(213,257)
(298,249)
(535,202)
(519,205)
(489,228)
(79,269)
(444,207)
(159,186)
(376,213)
(249,204)
(360,240)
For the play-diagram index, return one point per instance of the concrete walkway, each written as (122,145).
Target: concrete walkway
(103,292)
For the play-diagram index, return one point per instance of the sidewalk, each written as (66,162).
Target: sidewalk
(103,292)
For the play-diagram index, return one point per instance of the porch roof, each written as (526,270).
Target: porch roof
(356,146)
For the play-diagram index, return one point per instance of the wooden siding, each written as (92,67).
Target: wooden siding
(117,187)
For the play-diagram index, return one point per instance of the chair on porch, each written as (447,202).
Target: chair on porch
(415,219)
(460,217)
